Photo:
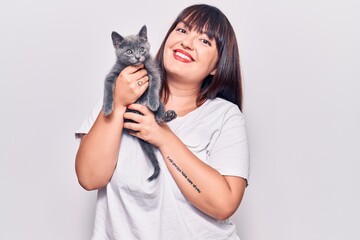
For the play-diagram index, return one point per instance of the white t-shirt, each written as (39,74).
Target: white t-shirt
(130,207)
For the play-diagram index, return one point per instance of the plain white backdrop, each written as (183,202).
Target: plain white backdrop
(301,74)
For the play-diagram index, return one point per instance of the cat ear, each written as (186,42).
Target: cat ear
(117,39)
(143,32)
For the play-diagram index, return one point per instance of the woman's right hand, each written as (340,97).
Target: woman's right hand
(130,85)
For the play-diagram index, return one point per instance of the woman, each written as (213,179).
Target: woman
(203,153)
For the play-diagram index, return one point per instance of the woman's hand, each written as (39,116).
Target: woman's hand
(130,85)
(145,126)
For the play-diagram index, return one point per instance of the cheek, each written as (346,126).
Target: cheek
(209,58)
(170,41)
(166,57)
(167,52)
(213,59)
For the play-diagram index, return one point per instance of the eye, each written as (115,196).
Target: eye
(181,30)
(128,52)
(142,49)
(205,41)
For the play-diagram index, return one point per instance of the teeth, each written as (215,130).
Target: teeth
(183,56)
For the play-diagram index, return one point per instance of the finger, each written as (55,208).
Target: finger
(143,87)
(133,68)
(135,127)
(135,134)
(138,107)
(133,116)
(143,80)
(139,74)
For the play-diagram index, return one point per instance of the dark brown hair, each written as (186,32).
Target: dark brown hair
(226,83)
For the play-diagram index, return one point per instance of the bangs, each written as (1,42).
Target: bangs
(205,20)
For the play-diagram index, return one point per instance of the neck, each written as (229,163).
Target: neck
(182,98)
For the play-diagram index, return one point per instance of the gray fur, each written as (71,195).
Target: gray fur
(134,50)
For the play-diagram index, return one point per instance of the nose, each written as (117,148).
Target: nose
(187,43)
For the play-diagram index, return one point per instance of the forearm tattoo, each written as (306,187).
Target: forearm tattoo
(183,174)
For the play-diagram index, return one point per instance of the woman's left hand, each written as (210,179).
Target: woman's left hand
(145,125)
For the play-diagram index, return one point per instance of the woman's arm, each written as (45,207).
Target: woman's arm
(216,195)
(98,150)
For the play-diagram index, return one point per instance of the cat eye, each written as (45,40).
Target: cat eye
(129,51)
(142,49)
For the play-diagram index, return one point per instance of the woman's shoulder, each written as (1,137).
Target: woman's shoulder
(215,111)
(222,106)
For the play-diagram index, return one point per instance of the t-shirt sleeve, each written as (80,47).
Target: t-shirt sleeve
(89,121)
(230,154)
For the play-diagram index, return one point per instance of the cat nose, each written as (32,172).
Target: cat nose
(137,57)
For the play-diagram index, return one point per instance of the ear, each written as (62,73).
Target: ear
(213,72)
(117,39)
(143,32)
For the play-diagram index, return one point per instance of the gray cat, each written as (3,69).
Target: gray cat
(134,50)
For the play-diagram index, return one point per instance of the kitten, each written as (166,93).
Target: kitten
(134,50)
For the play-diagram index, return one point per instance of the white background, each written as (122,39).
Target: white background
(300,64)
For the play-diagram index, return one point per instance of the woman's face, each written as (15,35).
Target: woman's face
(189,56)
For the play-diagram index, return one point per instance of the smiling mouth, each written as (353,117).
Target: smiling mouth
(183,56)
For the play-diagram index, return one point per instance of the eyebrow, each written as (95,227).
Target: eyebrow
(187,25)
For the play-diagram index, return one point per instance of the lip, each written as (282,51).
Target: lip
(183,56)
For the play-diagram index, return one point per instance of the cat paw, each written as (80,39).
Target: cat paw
(169,115)
(107,111)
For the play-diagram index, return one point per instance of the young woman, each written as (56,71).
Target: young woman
(203,153)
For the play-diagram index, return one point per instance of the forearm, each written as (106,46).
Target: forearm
(201,184)
(98,151)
